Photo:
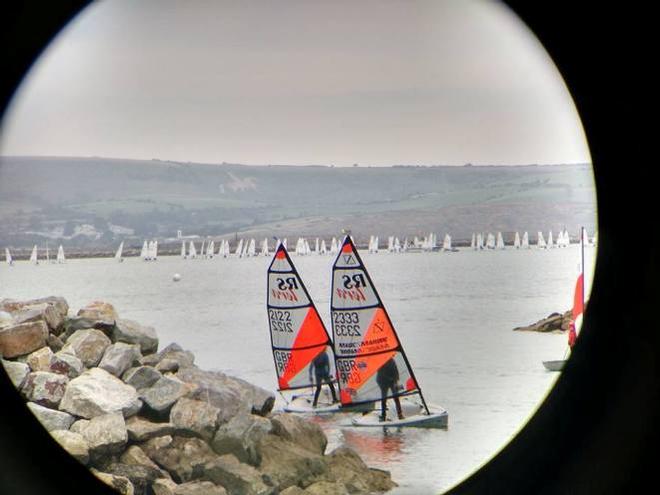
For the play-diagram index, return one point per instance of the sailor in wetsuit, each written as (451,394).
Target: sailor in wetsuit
(388,379)
(321,367)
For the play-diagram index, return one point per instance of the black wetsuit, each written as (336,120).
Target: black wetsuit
(388,379)
(321,365)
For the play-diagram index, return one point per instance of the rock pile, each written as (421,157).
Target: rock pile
(151,422)
(555,322)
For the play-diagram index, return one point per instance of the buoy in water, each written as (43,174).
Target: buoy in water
(176,277)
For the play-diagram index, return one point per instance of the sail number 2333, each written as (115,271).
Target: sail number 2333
(347,323)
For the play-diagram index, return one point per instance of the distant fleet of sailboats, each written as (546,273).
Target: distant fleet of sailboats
(247,247)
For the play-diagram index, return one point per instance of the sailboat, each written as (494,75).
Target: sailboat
(541,241)
(490,241)
(192,252)
(144,252)
(446,244)
(500,241)
(264,247)
(366,344)
(119,252)
(525,240)
(33,256)
(60,254)
(550,241)
(516,240)
(8,258)
(576,313)
(297,334)
(183,250)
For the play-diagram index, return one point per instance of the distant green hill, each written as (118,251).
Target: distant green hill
(122,198)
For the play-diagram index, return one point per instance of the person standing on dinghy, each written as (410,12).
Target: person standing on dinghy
(321,368)
(388,379)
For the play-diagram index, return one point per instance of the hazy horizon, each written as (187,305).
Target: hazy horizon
(297,83)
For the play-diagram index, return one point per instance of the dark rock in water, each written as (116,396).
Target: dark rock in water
(22,339)
(554,322)
(132,332)
(45,388)
(236,477)
(183,458)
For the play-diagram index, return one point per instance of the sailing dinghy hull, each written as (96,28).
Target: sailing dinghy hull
(556,365)
(414,416)
(303,404)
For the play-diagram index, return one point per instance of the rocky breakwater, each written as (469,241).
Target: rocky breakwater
(554,322)
(151,422)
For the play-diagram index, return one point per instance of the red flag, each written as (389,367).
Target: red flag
(578,303)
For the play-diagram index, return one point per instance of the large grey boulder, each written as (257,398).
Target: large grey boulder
(194,418)
(59,303)
(231,395)
(118,357)
(134,455)
(51,419)
(141,377)
(140,476)
(88,345)
(132,332)
(74,443)
(45,388)
(240,436)
(141,430)
(285,463)
(184,458)
(98,310)
(236,477)
(16,371)
(323,488)
(22,339)
(73,324)
(163,486)
(346,466)
(97,392)
(41,312)
(300,431)
(160,397)
(105,435)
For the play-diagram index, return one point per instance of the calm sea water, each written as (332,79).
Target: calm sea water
(454,313)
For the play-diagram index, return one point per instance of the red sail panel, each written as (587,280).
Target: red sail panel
(310,342)
(578,303)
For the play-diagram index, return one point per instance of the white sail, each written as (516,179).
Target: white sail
(473,241)
(480,241)
(154,251)
(192,252)
(550,243)
(264,247)
(333,246)
(119,251)
(540,240)
(500,241)
(390,244)
(397,245)
(210,250)
(60,254)
(8,258)
(239,248)
(525,240)
(490,241)
(183,250)
(324,250)
(252,248)
(33,256)
(446,243)
(202,250)
(144,251)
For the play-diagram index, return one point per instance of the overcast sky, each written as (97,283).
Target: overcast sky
(297,82)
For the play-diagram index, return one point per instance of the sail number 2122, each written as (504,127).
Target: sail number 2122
(280,320)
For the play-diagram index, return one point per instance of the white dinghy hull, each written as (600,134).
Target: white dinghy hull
(556,365)
(414,416)
(303,404)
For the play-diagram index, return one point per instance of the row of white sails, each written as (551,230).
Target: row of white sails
(34,256)
(489,241)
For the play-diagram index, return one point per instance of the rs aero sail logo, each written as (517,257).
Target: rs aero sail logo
(286,289)
(353,286)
